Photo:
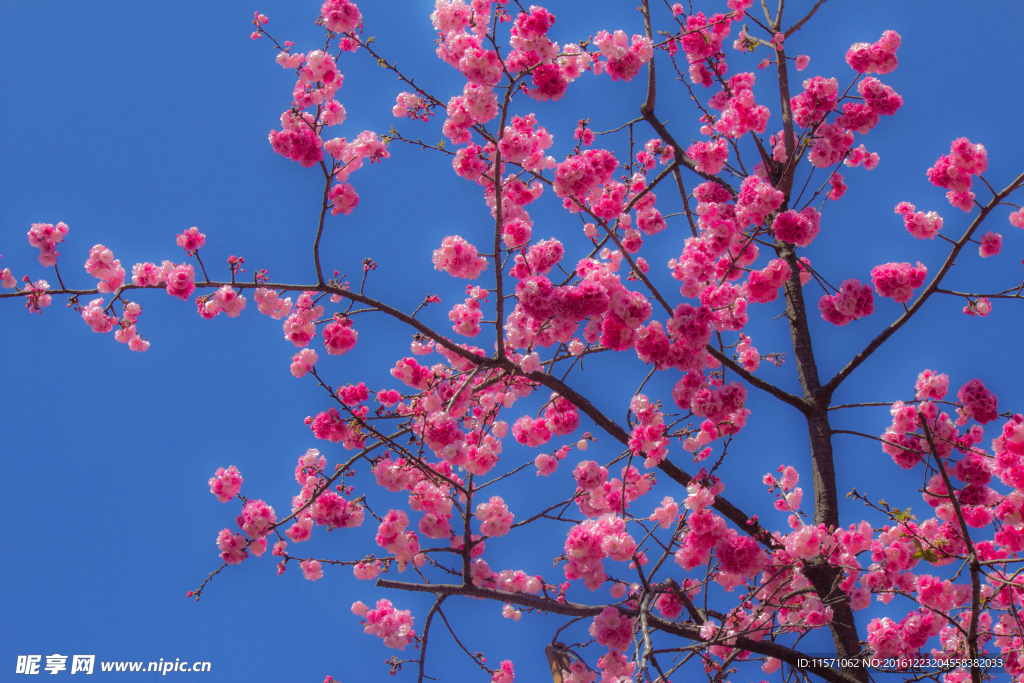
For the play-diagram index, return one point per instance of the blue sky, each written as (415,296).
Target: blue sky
(133,122)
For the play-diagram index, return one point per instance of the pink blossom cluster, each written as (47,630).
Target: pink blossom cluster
(391,625)
(494,517)
(601,496)
(666,513)
(762,286)
(410,105)
(953,171)
(339,335)
(702,43)
(226,483)
(95,317)
(860,156)
(7,280)
(877,57)
(920,224)
(299,327)
(851,302)
(126,333)
(709,157)
(180,279)
(648,436)
(897,281)
(225,300)
(102,265)
(299,138)
(749,356)
(340,16)
(46,236)
(191,240)
(991,244)
(798,228)
(589,543)
(459,258)
(612,629)
(303,362)
(270,303)
(257,518)
(740,114)
(978,402)
(36,297)
(623,59)
(232,546)
(393,537)
(329,426)
(578,175)
(931,386)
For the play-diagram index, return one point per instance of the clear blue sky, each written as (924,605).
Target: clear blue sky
(134,121)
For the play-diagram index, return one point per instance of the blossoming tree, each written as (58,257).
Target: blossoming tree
(660,573)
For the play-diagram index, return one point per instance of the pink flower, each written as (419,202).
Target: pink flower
(531,363)
(931,386)
(851,302)
(303,362)
(37,298)
(757,199)
(46,236)
(270,303)
(978,402)
(393,626)
(147,274)
(494,517)
(366,571)
(232,546)
(95,317)
(921,225)
(1017,218)
(180,280)
(802,61)
(311,569)
(344,199)
(102,265)
(897,281)
(504,674)
(879,57)
(340,16)
(191,240)
(740,554)
(991,243)
(879,98)
(225,299)
(226,483)
(710,157)
(884,637)
(257,518)
(459,258)
(818,98)
(301,530)
(298,144)
(612,630)
(797,228)
(980,307)
(623,59)
(339,337)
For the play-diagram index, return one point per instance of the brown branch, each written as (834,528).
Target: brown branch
(932,287)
